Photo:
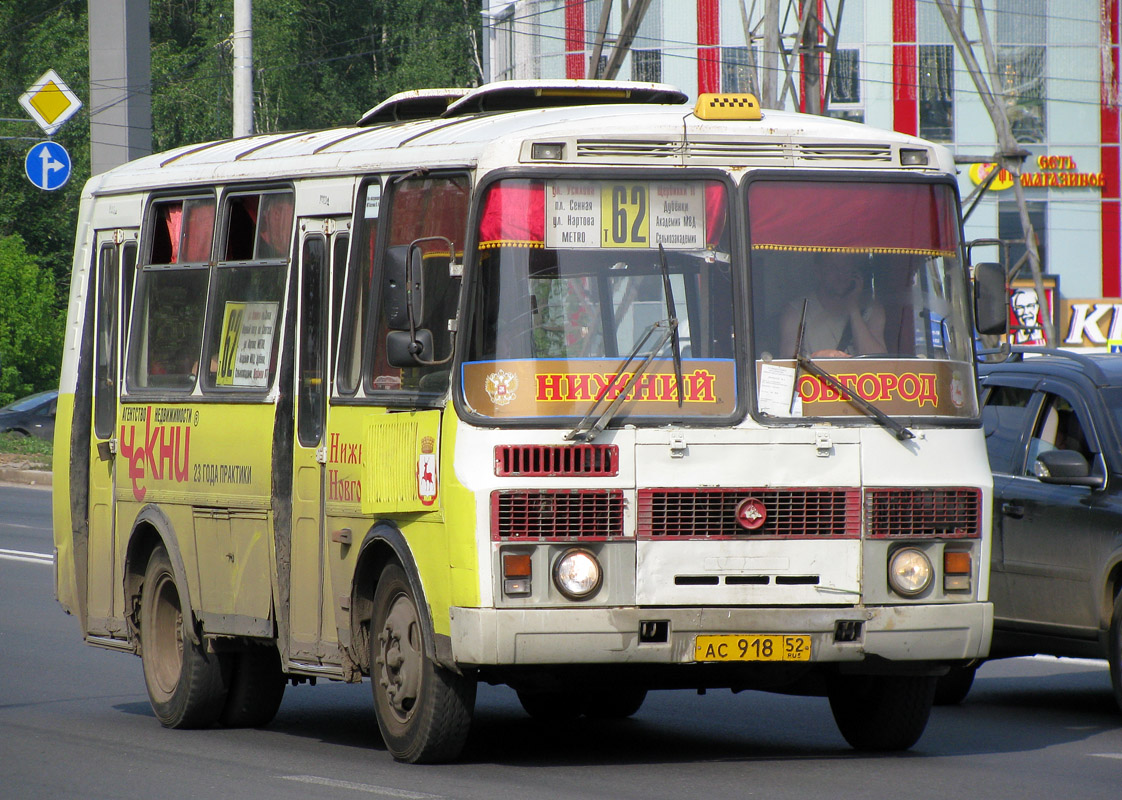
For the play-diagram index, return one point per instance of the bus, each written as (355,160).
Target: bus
(532,384)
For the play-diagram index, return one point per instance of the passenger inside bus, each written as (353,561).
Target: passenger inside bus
(843,319)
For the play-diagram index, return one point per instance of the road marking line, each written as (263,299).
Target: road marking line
(385,791)
(27,558)
(1106,755)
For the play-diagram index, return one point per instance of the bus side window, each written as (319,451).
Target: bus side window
(420,208)
(357,298)
(339,249)
(172,282)
(105,364)
(310,384)
(249,291)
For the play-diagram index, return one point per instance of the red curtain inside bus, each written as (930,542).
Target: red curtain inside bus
(821,216)
(423,207)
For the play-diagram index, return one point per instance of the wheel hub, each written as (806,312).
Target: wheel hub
(400,654)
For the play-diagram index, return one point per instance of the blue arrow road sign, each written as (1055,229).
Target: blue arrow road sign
(47,165)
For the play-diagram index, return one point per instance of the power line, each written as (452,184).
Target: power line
(688,46)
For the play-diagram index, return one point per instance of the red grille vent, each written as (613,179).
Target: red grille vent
(711,513)
(556,461)
(923,512)
(557,514)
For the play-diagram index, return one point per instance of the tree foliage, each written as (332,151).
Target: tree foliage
(317,64)
(30,326)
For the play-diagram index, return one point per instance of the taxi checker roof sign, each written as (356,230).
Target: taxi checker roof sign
(50,102)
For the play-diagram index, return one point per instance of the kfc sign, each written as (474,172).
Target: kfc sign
(1026,310)
(1092,322)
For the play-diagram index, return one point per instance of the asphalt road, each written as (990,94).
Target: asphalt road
(75,723)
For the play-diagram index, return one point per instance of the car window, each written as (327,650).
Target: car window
(1004,417)
(1058,427)
(1112,397)
(27,403)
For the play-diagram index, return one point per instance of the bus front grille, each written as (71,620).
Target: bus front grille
(948,512)
(556,514)
(552,461)
(830,513)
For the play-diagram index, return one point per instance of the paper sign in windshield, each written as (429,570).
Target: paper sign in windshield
(626,214)
(247,345)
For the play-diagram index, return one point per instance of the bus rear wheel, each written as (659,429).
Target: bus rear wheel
(881,712)
(186,685)
(424,710)
(256,688)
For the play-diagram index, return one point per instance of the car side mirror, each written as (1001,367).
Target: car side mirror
(1065,467)
(991,313)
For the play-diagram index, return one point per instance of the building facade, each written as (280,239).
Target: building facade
(895,66)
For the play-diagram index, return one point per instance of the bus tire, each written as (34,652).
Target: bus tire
(256,688)
(551,706)
(619,702)
(186,685)
(424,711)
(953,687)
(1114,650)
(881,712)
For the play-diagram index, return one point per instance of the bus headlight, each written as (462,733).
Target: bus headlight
(909,571)
(577,574)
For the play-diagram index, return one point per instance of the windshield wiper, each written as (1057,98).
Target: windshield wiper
(672,319)
(587,434)
(807,363)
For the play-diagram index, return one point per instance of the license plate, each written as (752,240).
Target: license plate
(753,647)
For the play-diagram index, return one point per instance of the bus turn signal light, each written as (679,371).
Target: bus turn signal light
(517,571)
(956,571)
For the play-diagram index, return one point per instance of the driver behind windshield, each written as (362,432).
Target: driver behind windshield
(842,317)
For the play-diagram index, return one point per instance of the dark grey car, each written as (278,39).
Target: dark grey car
(1052,421)
(33,415)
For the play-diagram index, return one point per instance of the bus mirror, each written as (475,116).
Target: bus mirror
(403,350)
(402,281)
(991,314)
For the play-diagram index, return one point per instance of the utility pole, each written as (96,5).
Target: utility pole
(632,16)
(793,64)
(770,61)
(1010,155)
(598,46)
(120,83)
(243,68)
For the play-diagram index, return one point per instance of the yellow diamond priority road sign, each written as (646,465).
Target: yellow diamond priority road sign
(50,102)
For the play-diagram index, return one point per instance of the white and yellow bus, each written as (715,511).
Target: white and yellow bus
(548,384)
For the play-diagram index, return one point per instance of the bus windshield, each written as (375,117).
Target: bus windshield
(864,278)
(570,281)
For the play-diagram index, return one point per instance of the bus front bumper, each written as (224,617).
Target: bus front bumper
(490,636)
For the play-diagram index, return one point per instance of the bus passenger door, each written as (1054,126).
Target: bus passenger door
(115,260)
(322,242)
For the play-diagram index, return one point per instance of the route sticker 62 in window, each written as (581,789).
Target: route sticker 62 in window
(625,214)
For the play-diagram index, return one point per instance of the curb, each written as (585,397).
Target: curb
(30,477)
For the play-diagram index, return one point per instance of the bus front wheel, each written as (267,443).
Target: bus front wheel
(424,710)
(186,685)
(881,712)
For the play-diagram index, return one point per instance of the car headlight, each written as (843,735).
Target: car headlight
(577,574)
(909,571)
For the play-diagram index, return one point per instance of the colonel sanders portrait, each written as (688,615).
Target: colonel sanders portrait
(1026,308)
